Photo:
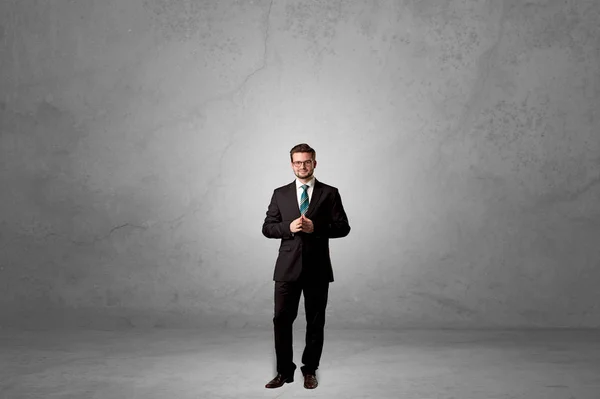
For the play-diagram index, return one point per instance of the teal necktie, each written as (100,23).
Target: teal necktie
(304,200)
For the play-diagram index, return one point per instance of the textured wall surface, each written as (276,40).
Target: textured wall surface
(141,140)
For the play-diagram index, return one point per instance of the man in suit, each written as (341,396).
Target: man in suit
(304,215)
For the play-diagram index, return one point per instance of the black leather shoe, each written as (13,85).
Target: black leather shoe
(310,381)
(279,381)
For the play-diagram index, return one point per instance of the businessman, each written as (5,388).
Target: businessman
(304,215)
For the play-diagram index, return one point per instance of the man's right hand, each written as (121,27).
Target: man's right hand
(296,225)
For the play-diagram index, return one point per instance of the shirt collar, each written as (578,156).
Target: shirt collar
(310,184)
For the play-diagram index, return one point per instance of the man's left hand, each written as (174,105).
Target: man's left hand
(307,225)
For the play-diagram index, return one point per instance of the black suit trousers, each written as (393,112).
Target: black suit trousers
(287,299)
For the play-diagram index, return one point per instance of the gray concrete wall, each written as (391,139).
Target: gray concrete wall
(141,140)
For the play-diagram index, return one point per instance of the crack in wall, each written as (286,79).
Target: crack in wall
(265,51)
(230,94)
(572,195)
(106,236)
(195,110)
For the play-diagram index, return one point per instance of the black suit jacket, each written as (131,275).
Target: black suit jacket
(308,251)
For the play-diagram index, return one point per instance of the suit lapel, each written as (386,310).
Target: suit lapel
(293,198)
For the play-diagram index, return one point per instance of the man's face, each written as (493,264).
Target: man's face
(303,165)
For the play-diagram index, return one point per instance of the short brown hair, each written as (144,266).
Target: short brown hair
(303,147)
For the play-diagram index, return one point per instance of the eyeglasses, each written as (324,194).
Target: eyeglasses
(300,163)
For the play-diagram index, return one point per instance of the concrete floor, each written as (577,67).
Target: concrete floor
(213,364)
